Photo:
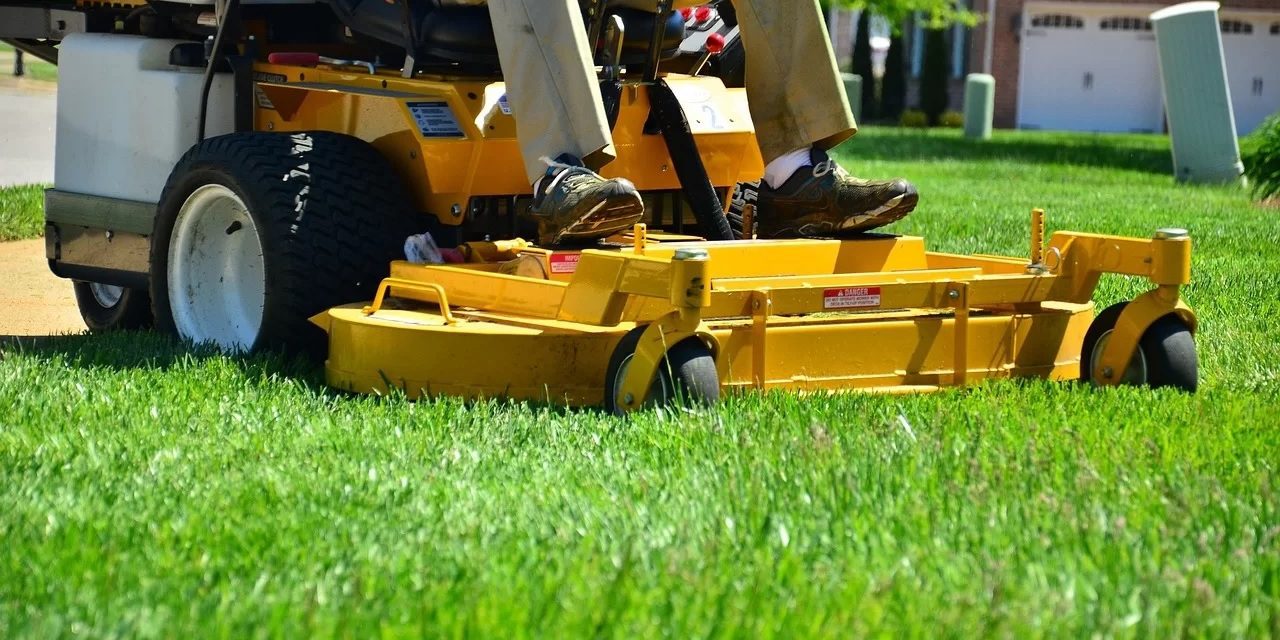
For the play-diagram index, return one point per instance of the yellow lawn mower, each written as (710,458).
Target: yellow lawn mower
(244,172)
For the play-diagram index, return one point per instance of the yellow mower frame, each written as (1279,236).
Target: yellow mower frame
(876,314)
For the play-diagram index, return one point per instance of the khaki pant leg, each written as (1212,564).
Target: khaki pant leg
(793,86)
(551,82)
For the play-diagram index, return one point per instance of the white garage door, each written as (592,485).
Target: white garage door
(1251,46)
(1088,71)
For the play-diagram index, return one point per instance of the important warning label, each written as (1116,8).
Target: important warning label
(565,262)
(435,119)
(851,298)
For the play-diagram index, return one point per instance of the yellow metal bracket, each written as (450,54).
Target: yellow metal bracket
(689,293)
(1137,317)
(429,288)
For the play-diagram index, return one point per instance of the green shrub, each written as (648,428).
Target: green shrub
(933,75)
(893,87)
(862,66)
(951,119)
(914,118)
(1260,152)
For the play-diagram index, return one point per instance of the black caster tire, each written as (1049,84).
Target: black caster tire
(1166,354)
(112,308)
(686,377)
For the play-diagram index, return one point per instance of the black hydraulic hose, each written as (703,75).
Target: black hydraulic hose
(688,163)
(230,13)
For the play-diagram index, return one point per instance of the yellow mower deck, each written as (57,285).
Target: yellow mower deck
(877,313)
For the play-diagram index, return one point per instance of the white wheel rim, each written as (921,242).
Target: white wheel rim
(217,274)
(106,295)
(1134,374)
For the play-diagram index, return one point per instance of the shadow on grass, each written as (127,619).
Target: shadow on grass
(1131,152)
(134,350)
(149,351)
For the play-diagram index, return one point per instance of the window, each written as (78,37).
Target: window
(1237,26)
(1057,21)
(1125,23)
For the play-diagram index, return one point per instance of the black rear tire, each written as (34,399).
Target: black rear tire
(1166,355)
(745,196)
(103,312)
(686,377)
(329,213)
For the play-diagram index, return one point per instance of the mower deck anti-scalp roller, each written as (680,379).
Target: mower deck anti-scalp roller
(873,314)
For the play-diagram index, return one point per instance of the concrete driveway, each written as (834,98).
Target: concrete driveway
(27,114)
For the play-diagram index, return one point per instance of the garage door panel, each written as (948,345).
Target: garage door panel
(1089,73)
(1251,47)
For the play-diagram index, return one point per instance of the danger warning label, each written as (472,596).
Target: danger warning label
(851,298)
(565,262)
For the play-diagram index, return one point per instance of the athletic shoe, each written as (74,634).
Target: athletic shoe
(822,200)
(574,204)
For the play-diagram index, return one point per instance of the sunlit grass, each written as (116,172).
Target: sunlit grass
(149,491)
(21,212)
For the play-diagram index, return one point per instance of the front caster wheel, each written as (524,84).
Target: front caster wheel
(686,376)
(1165,357)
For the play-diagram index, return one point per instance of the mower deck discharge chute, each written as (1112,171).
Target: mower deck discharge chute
(877,313)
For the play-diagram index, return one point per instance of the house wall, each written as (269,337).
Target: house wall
(1006,49)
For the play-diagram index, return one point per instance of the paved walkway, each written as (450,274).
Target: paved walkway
(27,115)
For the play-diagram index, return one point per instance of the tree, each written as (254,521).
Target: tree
(938,13)
(893,87)
(862,65)
(934,75)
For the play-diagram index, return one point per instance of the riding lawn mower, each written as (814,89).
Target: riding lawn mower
(248,173)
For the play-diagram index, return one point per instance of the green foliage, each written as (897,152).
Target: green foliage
(863,67)
(1260,152)
(893,87)
(939,13)
(913,118)
(21,212)
(934,72)
(151,491)
(951,119)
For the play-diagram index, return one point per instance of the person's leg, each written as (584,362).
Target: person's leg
(800,110)
(793,85)
(555,99)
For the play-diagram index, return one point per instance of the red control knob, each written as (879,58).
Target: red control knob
(702,14)
(715,43)
(686,13)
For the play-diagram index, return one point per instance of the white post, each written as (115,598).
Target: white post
(1193,75)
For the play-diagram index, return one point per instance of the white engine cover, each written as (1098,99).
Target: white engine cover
(125,115)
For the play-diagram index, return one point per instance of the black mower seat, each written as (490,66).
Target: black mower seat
(460,32)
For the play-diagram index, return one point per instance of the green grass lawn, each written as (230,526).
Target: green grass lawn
(21,212)
(150,491)
(35,68)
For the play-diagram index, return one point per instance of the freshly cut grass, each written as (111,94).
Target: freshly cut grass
(21,212)
(149,490)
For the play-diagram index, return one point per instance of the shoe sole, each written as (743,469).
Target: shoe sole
(617,212)
(891,211)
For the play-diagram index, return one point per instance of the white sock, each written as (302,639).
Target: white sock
(784,166)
